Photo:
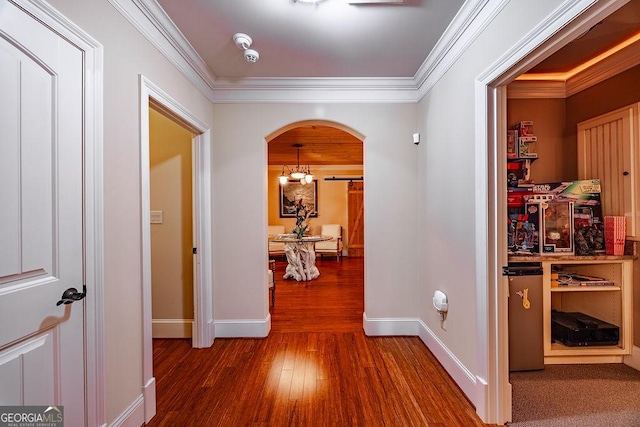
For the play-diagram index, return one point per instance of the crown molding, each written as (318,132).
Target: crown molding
(620,61)
(609,67)
(153,23)
(148,17)
(465,27)
(315,90)
(523,89)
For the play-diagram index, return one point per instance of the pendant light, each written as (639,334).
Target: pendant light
(299,173)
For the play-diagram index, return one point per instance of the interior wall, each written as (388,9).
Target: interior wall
(171,240)
(447,188)
(241,204)
(549,120)
(332,200)
(126,55)
(616,92)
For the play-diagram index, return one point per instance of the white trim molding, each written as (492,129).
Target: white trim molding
(133,416)
(153,23)
(530,89)
(388,326)
(464,378)
(243,328)
(95,364)
(150,94)
(471,20)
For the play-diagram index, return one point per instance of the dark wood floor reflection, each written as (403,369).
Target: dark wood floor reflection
(316,368)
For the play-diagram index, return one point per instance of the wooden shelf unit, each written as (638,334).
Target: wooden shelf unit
(611,304)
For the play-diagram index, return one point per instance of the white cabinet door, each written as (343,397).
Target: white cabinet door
(41,216)
(608,150)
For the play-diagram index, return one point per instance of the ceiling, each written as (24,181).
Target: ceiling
(322,145)
(335,39)
(331,39)
(617,27)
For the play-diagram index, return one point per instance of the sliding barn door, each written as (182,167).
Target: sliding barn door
(356,219)
(608,150)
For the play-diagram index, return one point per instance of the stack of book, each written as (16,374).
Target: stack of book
(575,279)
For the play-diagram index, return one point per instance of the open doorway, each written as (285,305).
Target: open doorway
(493,87)
(172,227)
(202,328)
(333,154)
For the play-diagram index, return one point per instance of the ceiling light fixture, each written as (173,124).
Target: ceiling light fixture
(302,174)
(314,2)
(243,42)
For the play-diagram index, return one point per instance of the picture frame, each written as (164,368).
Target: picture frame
(293,189)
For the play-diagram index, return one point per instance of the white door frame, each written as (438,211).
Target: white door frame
(93,197)
(571,19)
(203,331)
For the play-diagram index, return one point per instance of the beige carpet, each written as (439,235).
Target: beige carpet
(577,395)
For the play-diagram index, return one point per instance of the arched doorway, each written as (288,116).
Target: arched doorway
(333,154)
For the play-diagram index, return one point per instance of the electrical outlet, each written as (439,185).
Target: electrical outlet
(156,217)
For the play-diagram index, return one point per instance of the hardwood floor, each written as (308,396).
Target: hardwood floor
(316,368)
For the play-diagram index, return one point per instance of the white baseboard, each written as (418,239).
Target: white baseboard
(633,360)
(403,326)
(211,333)
(460,374)
(133,416)
(149,395)
(473,387)
(171,328)
(242,328)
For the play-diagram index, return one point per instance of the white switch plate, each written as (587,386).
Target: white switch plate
(156,217)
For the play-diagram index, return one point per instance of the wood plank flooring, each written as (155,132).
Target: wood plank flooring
(316,368)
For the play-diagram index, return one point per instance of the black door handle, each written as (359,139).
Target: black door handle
(71,295)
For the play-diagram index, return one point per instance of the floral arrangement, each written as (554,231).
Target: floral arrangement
(302,218)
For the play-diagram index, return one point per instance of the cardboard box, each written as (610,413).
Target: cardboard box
(588,219)
(512,144)
(614,233)
(556,232)
(525,128)
(526,147)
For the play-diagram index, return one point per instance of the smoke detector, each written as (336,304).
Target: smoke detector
(243,42)
(251,55)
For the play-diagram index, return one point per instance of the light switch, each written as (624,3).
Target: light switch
(156,217)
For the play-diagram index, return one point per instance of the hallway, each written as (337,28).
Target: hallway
(316,368)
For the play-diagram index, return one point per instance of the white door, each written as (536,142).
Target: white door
(41,216)
(608,150)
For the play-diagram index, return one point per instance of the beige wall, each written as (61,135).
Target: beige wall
(127,54)
(242,207)
(448,168)
(555,122)
(549,118)
(332,199)
(171,241)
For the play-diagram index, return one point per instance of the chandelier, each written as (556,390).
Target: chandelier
(299,173)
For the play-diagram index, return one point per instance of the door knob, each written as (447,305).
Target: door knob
(71,295)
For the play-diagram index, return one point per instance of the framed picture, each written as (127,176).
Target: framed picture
(292,190)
